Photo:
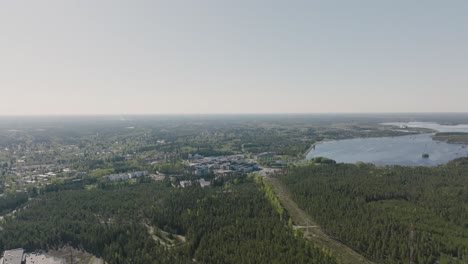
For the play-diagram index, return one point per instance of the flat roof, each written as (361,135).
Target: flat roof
(14,256)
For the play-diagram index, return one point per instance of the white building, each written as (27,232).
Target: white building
(204,183)
(14,256)
(126,176)
(184,184)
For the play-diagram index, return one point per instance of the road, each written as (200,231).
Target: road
(304,227)
(313,232)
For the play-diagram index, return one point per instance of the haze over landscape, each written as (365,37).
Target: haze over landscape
(165,57)
(244,131)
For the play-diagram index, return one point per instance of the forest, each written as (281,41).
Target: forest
(11,202)
(53,193)
(383,212)
(151,222)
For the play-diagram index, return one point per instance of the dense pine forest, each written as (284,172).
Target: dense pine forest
(156,223)
(382,212)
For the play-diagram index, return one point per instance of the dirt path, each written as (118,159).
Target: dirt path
(311,230)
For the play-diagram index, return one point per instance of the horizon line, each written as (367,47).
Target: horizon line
(221,114)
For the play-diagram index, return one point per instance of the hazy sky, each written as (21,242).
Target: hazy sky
(196,56)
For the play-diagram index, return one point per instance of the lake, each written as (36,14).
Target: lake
(402,150)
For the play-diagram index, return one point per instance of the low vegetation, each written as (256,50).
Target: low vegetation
(452,137)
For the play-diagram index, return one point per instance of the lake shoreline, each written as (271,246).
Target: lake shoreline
(389,151)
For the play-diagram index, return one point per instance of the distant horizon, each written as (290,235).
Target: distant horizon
(229,114)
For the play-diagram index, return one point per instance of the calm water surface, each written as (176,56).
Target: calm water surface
(403,150)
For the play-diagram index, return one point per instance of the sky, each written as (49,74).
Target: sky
(86,57)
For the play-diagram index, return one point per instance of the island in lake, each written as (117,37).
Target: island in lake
(452,137)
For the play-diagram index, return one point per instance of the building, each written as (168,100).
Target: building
(138,174)
(117,177)
(126,176)
(184,184)
(223,165)
(204,183)
(201,170)
(14,256)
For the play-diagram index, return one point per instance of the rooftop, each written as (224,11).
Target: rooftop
(14,256)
